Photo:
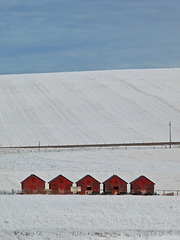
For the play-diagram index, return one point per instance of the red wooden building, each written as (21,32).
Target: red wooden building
(33,185)
(114,185)
(142,185)
(60,185)
(89,185)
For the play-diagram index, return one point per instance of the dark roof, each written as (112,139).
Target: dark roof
(113,177)
(86,177)
(32,175)
(141,177)
(59,177)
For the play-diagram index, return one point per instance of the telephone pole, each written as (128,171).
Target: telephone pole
(170,134)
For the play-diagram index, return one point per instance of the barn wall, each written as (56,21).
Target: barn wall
(111,184)
(60,186)
(33,185)
(89,183)
(142,186)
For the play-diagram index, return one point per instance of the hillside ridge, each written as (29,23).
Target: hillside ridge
(89,107)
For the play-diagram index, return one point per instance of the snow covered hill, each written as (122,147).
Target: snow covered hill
(90,107)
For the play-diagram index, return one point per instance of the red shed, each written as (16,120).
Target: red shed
(142,185)
(89,185)
(115,185)
(60,185)
(33,185)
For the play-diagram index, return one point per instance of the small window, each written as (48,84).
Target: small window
(115,187)
(88,188)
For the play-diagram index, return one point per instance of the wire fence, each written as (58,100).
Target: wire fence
(157,192)
(96,145)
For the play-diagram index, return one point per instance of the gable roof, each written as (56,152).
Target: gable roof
(59,177)
(113,177)
(86,177)
(32,175)
(141,177)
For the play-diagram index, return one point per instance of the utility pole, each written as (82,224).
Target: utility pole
(170,134)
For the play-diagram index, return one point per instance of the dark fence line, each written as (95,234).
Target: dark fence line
(157,192)
(97,145)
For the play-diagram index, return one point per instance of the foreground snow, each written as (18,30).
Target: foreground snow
(89,217)
(51,217)
(74,217)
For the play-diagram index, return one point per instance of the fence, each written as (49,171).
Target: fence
(157,192)
(97,145)
(168,192)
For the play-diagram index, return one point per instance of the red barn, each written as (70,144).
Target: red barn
(33,185)
(89,185)
(115,185)
(142,185)
(60,185)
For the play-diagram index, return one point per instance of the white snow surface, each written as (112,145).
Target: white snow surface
(90,107)
(89,217)
(161,165)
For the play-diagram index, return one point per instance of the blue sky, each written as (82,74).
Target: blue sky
(79,35)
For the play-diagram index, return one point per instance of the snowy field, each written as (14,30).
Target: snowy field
(161,165)
(90,107)
(89,217)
